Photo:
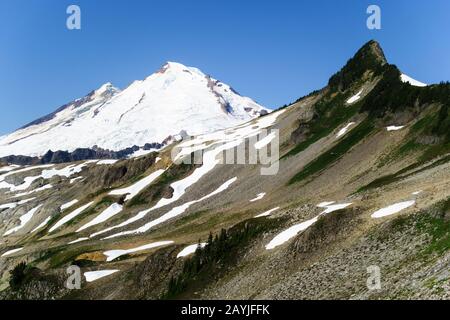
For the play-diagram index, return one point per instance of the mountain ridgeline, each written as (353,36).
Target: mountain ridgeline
(387,99)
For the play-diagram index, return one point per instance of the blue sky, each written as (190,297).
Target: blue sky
(272,51)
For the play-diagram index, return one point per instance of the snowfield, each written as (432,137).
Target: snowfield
(70,216)
(412,81)
(78,240)
(289,233)
(267,213)
(134,189)
(354,98)
(344,130)
(108,161)
(68,205)
(45,174)
(190,250)
(259,196)
(392,209)
(109,212)
(293,231)
(220,141)
(394,128)
(43,224)
(95,275)
(15,204)
(23,220)
(173,212)
(10,252)
(114,254)
(173,99)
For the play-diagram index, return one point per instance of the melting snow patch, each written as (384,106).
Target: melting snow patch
(68,204)
(325,204)
(344,130)
(43,224)
(294,230)
(354,98)
(190,250)
(169,215)
(15,204)
(70,216)
(412,81)
(141,152)
(7,253)
(393,209)
(265,141)
(109,212)
(267,213)
(134,189)
(108,161)
(95,275)
(114,254)
(47,186)
(78,240)
(290,233)
(8,168)
(75,179)
(417,193)
(334,207)
(157,159)
(394,128)
(258,197)
(8,205)
(23,220)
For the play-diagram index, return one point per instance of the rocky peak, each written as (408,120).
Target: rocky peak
(370,58)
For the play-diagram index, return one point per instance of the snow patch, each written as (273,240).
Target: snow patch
(355,98)
(108,161)
(392,209)
(75,179)
(411,81)
(190,250)
(7,253)
(114,254)
(43,224)
(95,275)
(291,232)
(134,189)
(109,212)
(344,130)
(15,204)
(70,216)
(68,204)
(23,220)
(267,213)
(259,196)
(78,240)
(394,128)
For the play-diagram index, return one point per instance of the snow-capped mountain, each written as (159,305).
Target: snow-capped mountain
(171,100)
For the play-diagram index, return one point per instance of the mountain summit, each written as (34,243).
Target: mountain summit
(173,99)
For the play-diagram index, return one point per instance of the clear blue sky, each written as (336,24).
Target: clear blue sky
(272,51)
